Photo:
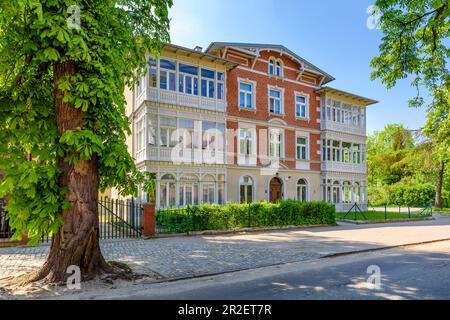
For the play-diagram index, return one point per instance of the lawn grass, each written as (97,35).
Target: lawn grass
(371,215)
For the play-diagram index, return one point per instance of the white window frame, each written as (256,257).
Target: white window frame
(168,73)
(252,93)
(279,68)
(246,185)
(192,76)
(306,186)
(271,63)
(280,143)
(306,96)
(281,90)
(306,146)
(253,140)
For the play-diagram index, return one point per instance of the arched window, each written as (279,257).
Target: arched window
(279,69)
(246,190)
(208,189)
(271,66)
(188,192)
(167,196)
(302,190)
(357,192)
(347,192)
(221,189)
(336,192)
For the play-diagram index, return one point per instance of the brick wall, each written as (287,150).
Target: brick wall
(262,115)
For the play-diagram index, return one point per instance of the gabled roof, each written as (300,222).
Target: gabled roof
(199,54)
(252,48)
(363,100)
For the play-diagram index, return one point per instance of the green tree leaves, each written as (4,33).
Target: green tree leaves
(107,49)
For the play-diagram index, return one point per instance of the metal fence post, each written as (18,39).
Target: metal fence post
(385,211)
(409,212)
(188,209)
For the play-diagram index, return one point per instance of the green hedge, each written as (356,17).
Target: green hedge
(412,195)
(258,214)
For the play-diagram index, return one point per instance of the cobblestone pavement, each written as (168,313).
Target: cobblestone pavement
(176,257)
(171,258)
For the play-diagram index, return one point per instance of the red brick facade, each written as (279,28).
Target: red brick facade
(261,116)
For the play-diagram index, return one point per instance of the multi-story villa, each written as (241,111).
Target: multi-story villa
(178,116)
(247,122)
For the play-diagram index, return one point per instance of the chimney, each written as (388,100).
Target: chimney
(198,49)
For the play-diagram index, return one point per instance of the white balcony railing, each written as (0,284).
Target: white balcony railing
(343,167)
(186,155)
(341,127)
(181,99)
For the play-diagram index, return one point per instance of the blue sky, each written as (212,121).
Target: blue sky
(333,35)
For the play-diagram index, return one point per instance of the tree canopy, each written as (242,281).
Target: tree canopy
(106,48)
(415,45)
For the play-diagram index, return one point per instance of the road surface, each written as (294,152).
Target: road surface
(416,272)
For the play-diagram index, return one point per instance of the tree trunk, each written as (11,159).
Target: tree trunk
(77,243)
(437,200)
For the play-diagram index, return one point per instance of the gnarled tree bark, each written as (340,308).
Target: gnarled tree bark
(77,243)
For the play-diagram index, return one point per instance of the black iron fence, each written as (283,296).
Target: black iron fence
(5,231)
(386,212)
(120,218)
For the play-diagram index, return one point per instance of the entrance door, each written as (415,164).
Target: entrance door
(275,188)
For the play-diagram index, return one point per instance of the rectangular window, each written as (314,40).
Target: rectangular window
(302,148)
(167,75)
(185,133)
(275,141)
(207,83)
(300,107)
(346,152)
(208,135)
(152,76)
(168,127)
(152,128)
(220,85)
(275,101)
(188,79)
(356,154)
(246,142)
(324,150)
(336,151)
(246,95)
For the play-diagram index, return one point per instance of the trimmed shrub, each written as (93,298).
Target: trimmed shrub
(413,195)
(258,214)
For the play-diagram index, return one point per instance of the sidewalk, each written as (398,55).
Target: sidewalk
(183,257)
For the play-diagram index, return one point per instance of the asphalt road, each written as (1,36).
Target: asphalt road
(418,272)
